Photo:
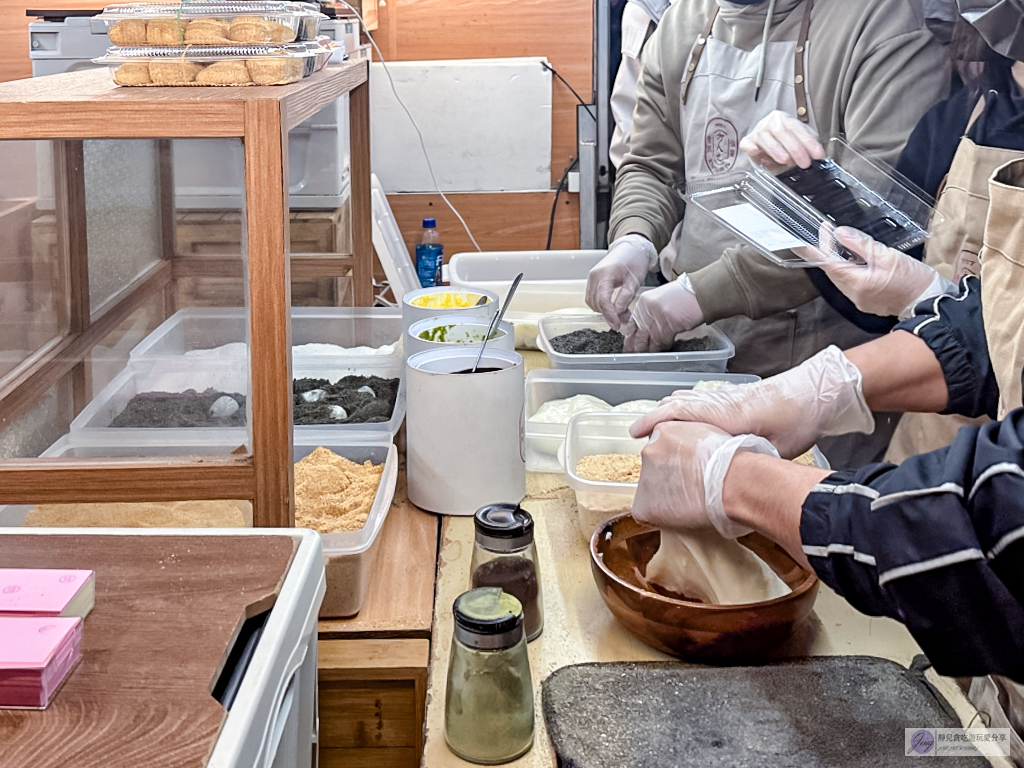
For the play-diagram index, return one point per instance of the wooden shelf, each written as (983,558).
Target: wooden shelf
(69,108)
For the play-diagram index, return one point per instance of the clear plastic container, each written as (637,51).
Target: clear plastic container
(614,387)
(93,424)
(197,66)
(229,22)
(595,434)
(777,213)
(552,280)
(349,556)
(710,361)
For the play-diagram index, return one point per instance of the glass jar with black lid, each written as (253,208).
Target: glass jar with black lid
(488,714)
(505,555)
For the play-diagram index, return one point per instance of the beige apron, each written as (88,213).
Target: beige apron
(717,110)
(1002,306)
(953,251)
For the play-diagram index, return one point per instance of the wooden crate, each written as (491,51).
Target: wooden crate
(219,233)
(372,702)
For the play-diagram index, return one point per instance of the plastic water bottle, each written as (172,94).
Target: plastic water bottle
(429,255)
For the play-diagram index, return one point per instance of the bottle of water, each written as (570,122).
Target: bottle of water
(429,255)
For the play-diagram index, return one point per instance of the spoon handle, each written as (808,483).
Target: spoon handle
(496,320)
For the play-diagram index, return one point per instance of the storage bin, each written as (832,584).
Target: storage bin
(711,361)
(349,556)
(551,279)
(614,387)
(593,434)
(93,424)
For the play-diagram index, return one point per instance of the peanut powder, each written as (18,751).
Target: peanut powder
(334,494)
(610,467)
(142,514)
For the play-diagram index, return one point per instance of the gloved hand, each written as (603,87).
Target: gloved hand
(780,141)
(660,314)
(821,396)
(891,284)
(682,474)
(625,268)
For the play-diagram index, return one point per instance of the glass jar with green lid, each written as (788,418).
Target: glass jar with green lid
(488,714)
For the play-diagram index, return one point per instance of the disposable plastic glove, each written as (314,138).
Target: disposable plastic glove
(780,141)
(624,268)
(682,475)
(890,284)
(660,314)
(821,396)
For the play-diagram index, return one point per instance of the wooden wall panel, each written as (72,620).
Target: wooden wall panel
(501,221)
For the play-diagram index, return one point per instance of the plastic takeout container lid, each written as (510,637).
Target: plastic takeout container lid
(778,213)
(212,53)
(197,9)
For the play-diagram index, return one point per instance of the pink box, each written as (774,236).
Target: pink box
(36,655)
(46,592)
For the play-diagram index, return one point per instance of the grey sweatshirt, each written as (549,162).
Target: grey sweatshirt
(873,69)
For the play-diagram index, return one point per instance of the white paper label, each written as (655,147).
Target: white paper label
(758,228)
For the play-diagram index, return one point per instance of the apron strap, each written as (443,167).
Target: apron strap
(695,54)
(798,65)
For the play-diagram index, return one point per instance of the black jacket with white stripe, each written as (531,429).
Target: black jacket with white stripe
(938,542)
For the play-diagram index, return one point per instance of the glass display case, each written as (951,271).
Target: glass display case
(135,366)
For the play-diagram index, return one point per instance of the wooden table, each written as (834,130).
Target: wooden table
(579,628)
(167,611)
(373,666)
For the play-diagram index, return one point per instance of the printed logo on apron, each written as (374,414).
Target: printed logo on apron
(721,145)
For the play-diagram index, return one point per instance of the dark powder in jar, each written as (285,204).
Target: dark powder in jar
(587,341)
(361,407)
(517,576)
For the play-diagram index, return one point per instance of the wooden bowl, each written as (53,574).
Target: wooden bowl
(619,553)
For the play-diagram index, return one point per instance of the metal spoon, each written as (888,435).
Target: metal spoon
(496,320)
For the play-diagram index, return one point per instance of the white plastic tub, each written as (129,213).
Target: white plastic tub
(551,279)
(412,311)
(194,329)
(93,424)
(349,556)
(460,331)
(593,434)
(711,361)
(614,387)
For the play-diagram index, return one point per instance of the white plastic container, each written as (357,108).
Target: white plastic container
(458,330)
(543,441)
(593,434)
(465,431)
(711,361)
(412,312)
(551,279)
(206,328)
(93,424)
(349,556)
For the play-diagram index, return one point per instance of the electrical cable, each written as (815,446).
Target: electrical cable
(419,133)
(554,205)
(566,84)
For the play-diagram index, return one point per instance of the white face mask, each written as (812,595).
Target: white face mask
(999,22)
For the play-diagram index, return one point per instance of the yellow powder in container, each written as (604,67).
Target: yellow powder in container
(332,493)
(142,514)
(446,300)
(610,467)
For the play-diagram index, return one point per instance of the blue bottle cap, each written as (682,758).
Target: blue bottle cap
(429,223)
